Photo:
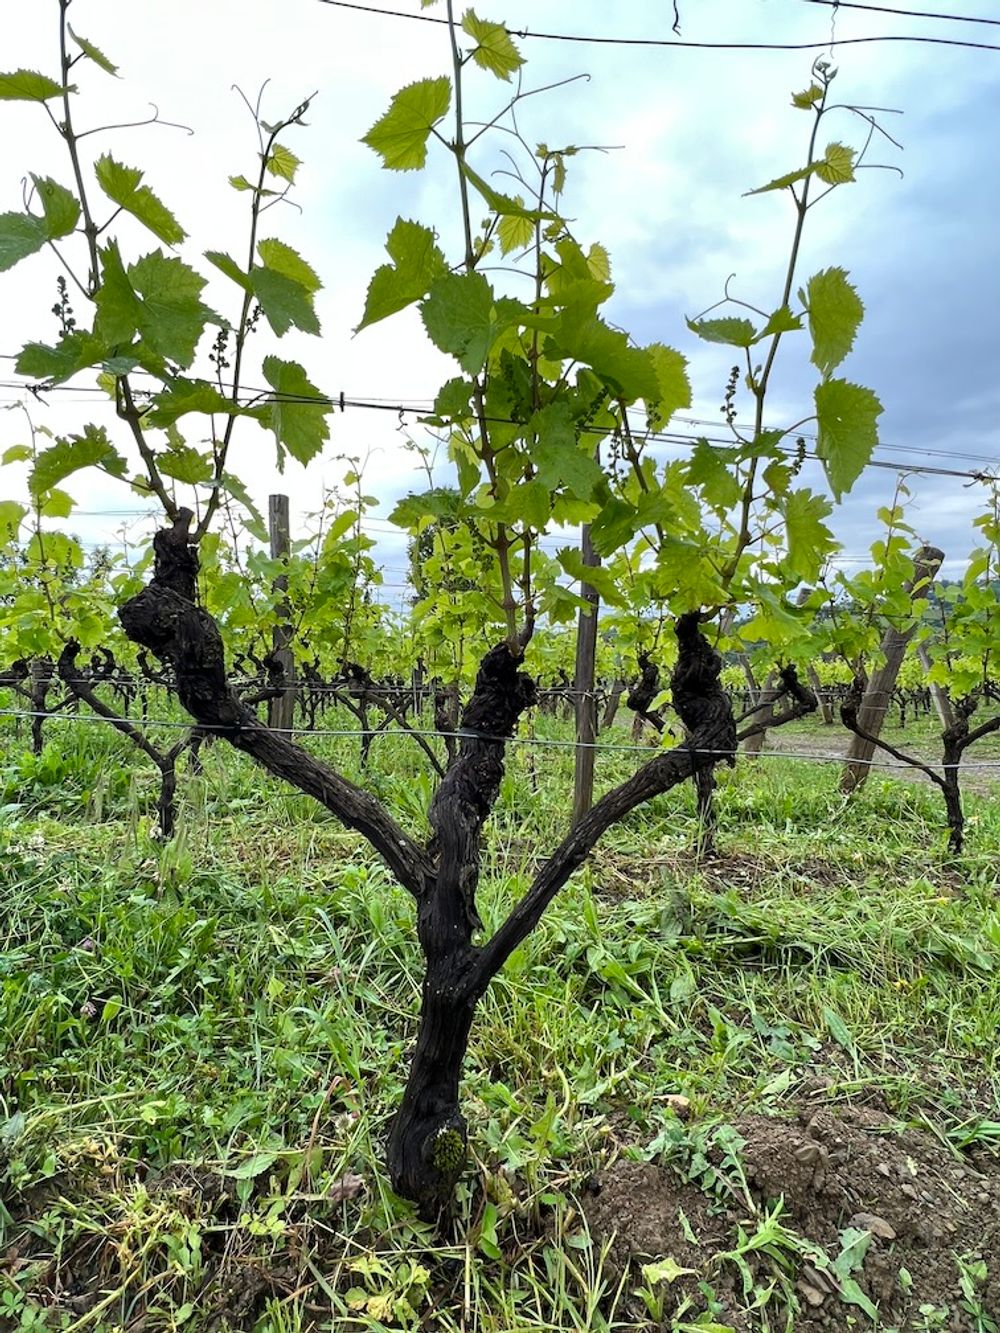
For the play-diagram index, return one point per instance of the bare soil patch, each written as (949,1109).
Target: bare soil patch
(834,1169)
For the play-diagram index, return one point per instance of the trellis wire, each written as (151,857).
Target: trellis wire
(676,43)
(825,694)
(538,742)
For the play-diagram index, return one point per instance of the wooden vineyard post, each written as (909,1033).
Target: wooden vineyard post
(583,685)
(939,698)
(765,697)
(878,692)
(281,710)
(825,707)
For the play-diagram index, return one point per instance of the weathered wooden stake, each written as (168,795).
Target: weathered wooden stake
(878,693)
(281,710)
(939,697)
(583,685)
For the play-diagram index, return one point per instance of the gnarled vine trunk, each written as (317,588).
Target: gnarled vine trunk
(427,1141)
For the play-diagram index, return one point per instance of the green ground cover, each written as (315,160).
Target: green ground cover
(202,1044)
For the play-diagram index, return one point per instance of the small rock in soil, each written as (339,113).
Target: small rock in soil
(878,1226)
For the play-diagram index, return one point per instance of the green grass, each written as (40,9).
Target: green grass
(203,1042)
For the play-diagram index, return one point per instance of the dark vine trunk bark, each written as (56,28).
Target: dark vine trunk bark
(642,694)
(80,681)
(427,1141)
(954,813)
(956,740)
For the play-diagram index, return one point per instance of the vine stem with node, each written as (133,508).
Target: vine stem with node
(502,541)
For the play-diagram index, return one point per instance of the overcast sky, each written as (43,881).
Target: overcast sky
(688,132)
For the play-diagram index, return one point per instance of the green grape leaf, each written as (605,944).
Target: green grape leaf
(515,231)
(283,163)
(783,182)
(707,469)
(583,336)
(412,509)
(684,577)
(805,100)
(26,85)
(23,234)
(282,258)
(837,167)
(810,541)
(400,136)
(70,454)
(452,401)
(20,235)
(458,315)
(579,279)
(12,515)
(417,263)
(299,427)
(227,265)
(467,466)
(729,330)
(674,387)
(777,477)
(656,506)
(558,161)
(616,524)
(17,453)
(94,53)
(285,303)
(74,351)
(122,186)
(559,605)
(284,287)
(234,487)
(57,504)
(184,463)
(185,396)
(598,577)
(556,453)
(527,503)
(782,321)
(60,206)
(846,417)
(494,50)
(172,317)
(773,622)
(835,311)
(599,263)
(118,307)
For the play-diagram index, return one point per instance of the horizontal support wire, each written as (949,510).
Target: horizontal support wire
(825,694)
(537,742)
(676,43)
(261,396)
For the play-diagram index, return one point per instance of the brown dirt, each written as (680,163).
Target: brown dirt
(834,1169)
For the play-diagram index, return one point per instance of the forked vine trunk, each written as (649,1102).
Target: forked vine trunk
(956,739)
(427,1141)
